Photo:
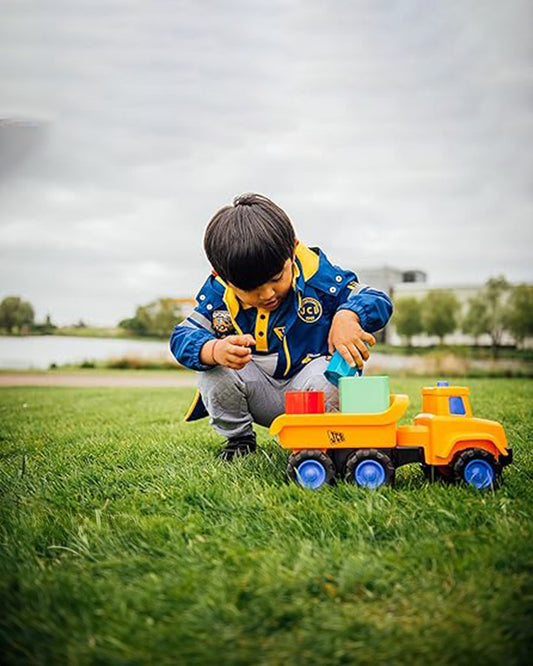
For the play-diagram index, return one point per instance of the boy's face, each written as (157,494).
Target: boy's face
(269,295)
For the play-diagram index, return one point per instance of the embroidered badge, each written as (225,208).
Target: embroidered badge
(222,323)
(310,310)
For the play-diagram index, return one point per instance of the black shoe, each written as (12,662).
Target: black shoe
(238,446)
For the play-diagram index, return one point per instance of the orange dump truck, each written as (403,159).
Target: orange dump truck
(366,449)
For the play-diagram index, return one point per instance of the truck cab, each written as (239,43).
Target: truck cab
(443,400)
(447,416)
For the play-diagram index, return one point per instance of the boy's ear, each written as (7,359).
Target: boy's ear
(296,242)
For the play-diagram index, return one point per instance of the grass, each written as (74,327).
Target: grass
(124,541)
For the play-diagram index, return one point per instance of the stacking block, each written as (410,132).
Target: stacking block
(364,395)
(338,367)
(304,402)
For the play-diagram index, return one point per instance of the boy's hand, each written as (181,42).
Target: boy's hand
(233,351)
(348,338)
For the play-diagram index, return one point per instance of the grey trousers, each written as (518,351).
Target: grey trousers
(235,399)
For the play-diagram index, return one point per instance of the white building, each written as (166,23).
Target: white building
(412,283)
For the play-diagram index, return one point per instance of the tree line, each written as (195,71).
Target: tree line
(156,319)
(497,308)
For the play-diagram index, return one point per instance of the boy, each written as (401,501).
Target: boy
(266,319)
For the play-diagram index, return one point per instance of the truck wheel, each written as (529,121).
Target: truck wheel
(438,473)
(369,468)
(477,468)
(311,469)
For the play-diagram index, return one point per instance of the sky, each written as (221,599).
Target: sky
(392,133)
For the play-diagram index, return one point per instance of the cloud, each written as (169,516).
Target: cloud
(391,134)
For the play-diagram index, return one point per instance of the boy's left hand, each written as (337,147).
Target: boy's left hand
(348,338)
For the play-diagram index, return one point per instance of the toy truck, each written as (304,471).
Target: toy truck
(366,449)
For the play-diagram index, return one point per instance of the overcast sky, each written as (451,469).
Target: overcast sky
(395,133)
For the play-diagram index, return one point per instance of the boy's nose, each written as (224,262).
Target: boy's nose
(267,294)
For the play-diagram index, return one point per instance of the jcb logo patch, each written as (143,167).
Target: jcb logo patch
(310,310)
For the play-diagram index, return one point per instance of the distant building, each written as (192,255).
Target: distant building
(414,276)
(413,283)
(463,293)
(387,279)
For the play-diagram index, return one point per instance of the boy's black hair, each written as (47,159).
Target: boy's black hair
(249,242)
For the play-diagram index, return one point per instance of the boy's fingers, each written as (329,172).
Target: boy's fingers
(368,337)
(350,356)
(239,356)
(362,349)
(356,355)
(236,350)
(241,340)
(236,363)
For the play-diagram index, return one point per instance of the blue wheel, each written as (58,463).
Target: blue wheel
(369,468)
(479,473)
(311,469)
(477,468)
(311,474)
(369,474)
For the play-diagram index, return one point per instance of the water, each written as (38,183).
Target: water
(39,352)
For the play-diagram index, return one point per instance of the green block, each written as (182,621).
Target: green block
(364,395)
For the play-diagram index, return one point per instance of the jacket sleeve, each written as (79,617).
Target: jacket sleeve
(373,307)
(189,336)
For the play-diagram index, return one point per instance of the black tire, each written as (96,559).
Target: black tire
(357,458)
(434,473)
(296,459)
(486,459)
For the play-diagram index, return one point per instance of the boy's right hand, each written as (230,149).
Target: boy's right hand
(233,351)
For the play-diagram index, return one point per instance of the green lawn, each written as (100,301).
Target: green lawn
(124,541)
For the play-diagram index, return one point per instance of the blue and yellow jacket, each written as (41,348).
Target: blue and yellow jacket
(288,337)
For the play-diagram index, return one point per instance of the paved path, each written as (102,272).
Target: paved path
(128,380)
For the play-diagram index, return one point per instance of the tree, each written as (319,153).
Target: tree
(496,293)
(439,313)
(133,325)
(476,320)
(15,314)
(408,318)
(519,316)
(157,318)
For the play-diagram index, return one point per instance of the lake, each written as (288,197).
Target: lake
(40,351)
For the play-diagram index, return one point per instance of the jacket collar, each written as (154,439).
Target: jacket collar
(305,265)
